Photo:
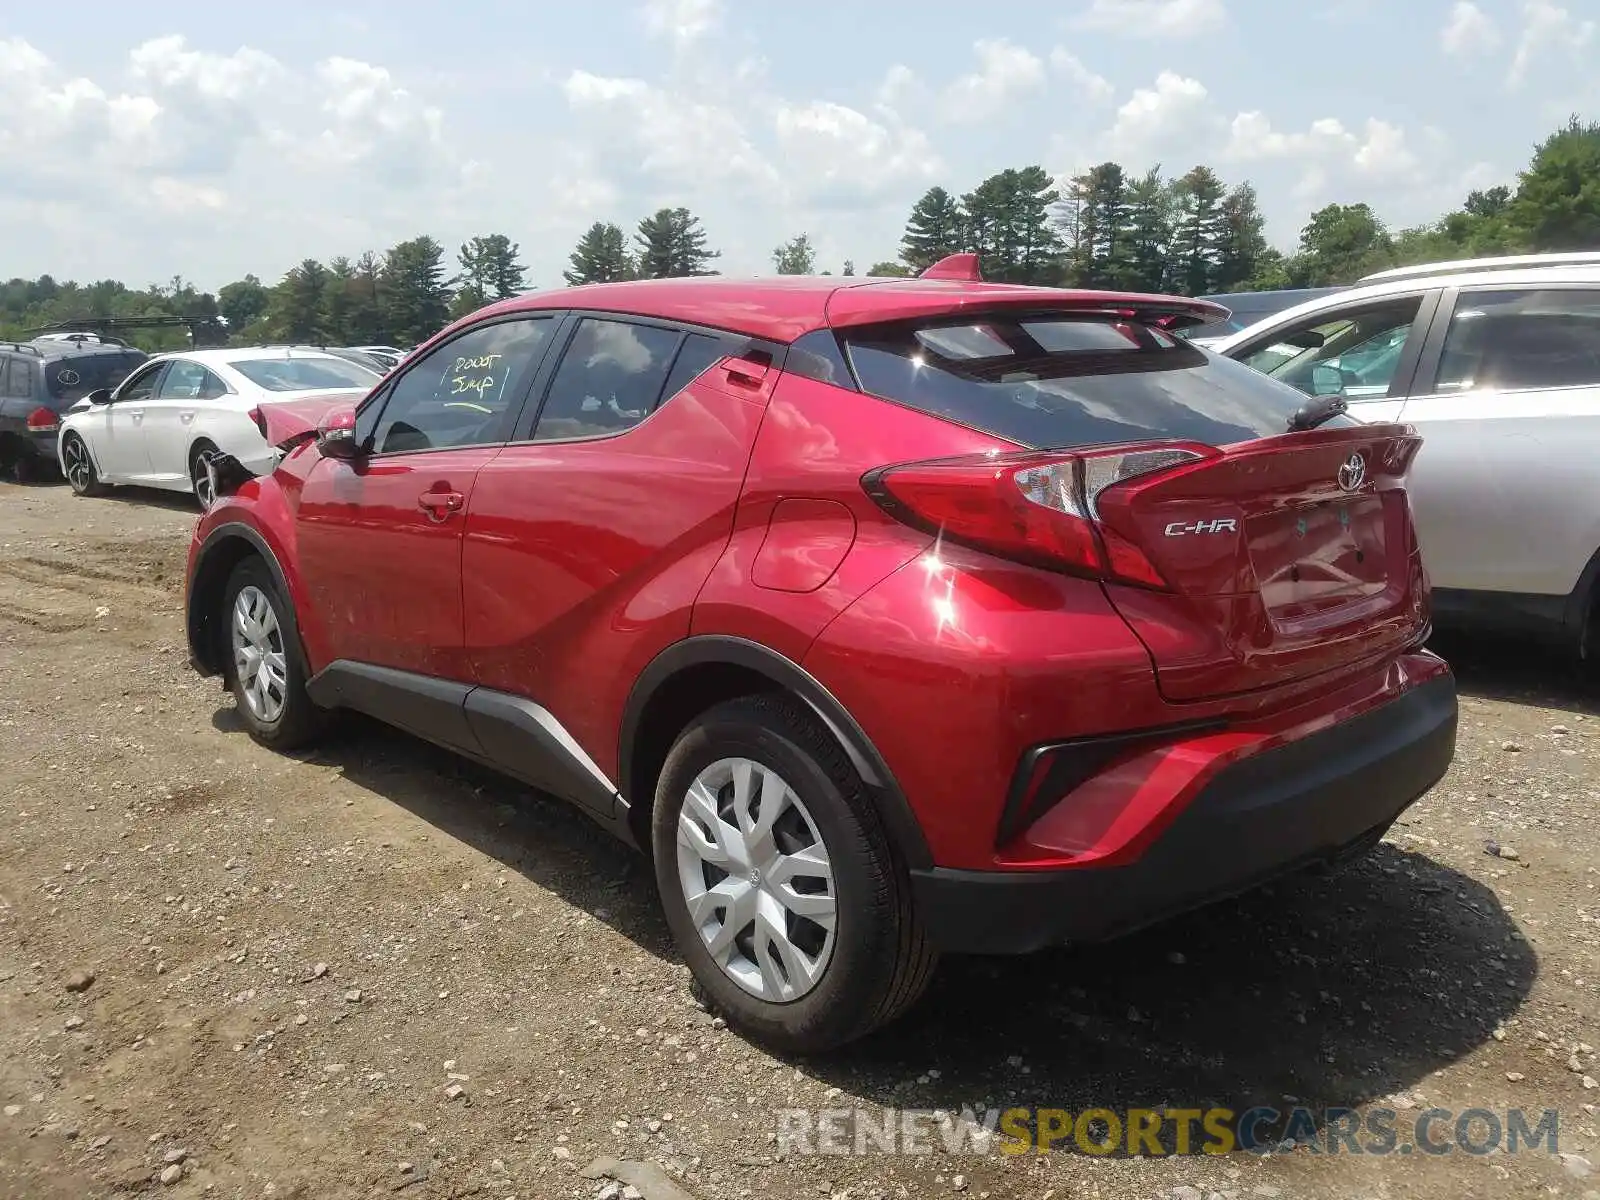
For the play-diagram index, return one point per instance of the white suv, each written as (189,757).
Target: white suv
(1497,364)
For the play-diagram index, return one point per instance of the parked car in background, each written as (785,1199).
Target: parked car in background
(1247,308)
(158,426)
(1496,364)
(39,381)
(889,617)
(371,359)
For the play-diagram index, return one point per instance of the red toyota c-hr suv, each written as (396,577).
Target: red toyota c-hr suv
(889,617)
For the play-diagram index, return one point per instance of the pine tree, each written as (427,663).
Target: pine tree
(1149,234)
(934,230)
(1008,225)
(672,245)
(1100,201)
(415,295)
(366,310)
(490,270)
(297,303)
(1197,232)
(336,300)
(1242,242)
(601,256)
(849,266)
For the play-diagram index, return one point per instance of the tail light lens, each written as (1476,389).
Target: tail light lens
(43,420)
(259,421)
(1037,507)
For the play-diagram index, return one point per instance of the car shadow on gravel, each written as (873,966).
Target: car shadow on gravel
(1503,669)
(544,839)
(1331,989)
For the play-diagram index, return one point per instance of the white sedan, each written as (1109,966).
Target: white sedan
(159,425)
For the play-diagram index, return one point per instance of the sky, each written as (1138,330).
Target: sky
(207,140)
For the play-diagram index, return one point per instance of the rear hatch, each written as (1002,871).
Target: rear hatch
(1282,558)
(76,373)
(1244,550)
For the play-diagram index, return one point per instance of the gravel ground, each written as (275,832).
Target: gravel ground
(376,969)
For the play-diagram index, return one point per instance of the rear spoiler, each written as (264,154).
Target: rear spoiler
(914,299)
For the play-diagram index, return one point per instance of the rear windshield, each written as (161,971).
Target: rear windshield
(304,374)
(1057,380)
(71,379)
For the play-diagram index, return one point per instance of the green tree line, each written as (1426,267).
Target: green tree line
(1191,234)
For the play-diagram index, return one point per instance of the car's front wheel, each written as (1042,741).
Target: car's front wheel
(266,670)
(78,467)
(778,881)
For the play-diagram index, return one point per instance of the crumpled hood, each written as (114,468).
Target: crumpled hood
(287,423)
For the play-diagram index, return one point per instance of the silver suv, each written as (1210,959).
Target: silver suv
(1496,362)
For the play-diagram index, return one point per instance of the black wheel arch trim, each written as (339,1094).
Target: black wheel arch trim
(1580,615)
(708,649)
(202,652)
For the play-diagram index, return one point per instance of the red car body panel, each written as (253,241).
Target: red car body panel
(583,559)
(564,573)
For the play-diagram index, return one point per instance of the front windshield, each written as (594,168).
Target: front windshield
(304,374)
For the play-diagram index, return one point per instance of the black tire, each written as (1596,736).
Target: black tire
(299,721)
(881,960)
(199,479)
(29,468)
(82,478)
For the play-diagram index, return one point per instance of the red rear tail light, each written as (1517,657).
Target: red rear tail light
(43,420)
(1034,506)
(258,420)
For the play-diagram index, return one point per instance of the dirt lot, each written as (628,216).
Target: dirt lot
(376,969)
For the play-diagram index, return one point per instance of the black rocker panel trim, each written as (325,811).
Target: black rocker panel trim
(509,733)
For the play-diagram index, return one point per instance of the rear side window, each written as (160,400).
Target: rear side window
(609,380)
(307,374)
(1062,381)
(696,354)
(1522,339)
(71,379)
(190,381)
(16,377)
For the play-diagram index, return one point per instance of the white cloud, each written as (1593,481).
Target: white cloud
(840,152)
(1469,31)
(1155,18)
(679,139)
(1071,67)
(1164,116)
(1547,26)
(683,21)
(1006,71)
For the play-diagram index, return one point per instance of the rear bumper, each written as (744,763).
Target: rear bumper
(1296,804)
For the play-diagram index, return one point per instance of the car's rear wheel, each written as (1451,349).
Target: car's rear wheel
(82,478)
(264,665)
(200,478)
(778,880)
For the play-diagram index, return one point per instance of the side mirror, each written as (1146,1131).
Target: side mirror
(1306,339)
(99,396)
(336,435)
(1326,380)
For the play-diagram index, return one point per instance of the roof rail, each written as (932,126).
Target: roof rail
(1505,262)
(23,348)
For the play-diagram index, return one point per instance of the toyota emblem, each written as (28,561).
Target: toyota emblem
(1352,472)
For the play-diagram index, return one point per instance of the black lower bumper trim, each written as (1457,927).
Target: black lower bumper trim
(1271,813)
